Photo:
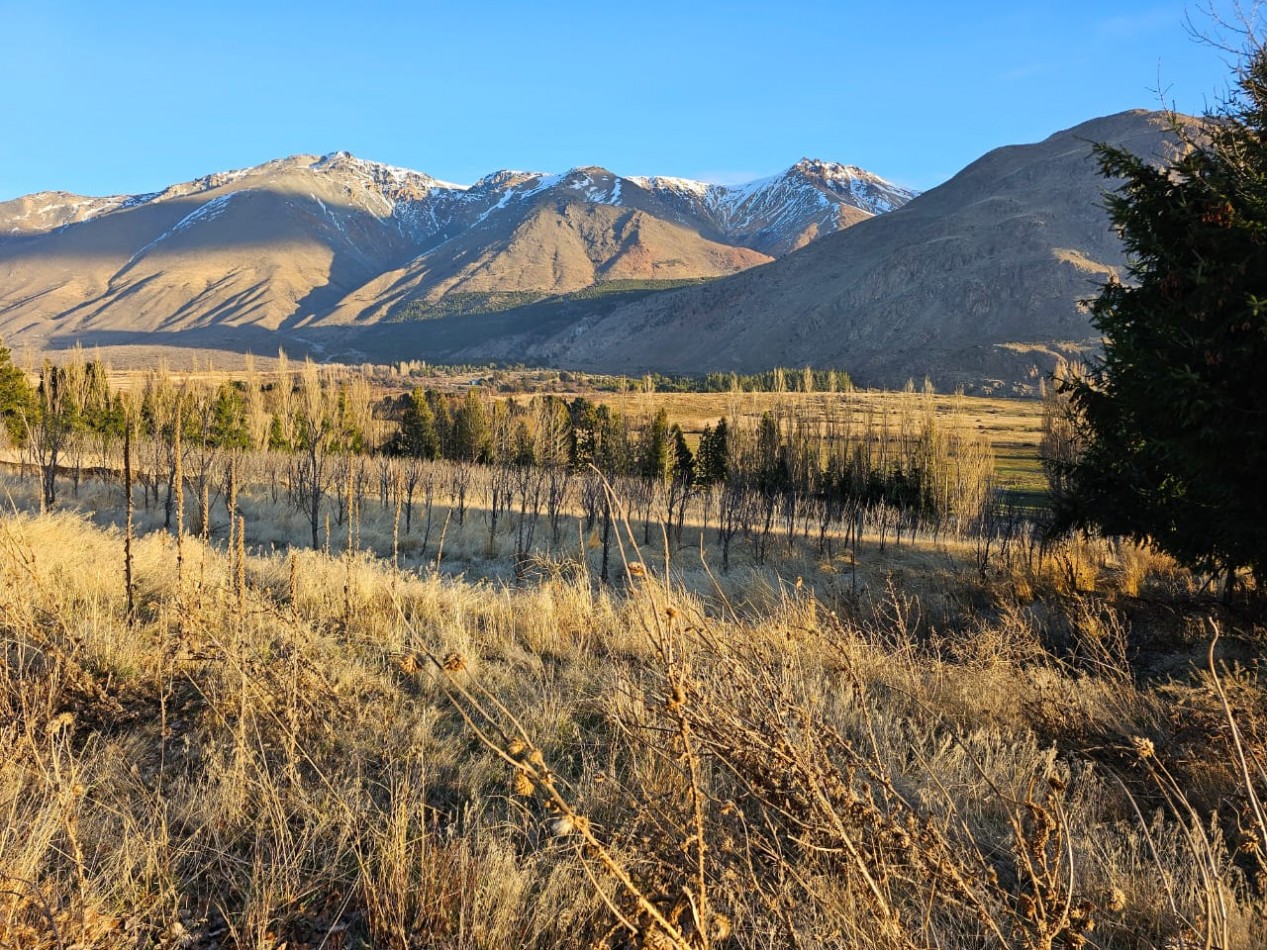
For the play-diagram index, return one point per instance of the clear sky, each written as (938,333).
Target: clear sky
(124,97)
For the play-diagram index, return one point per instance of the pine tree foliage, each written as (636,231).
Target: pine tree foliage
(17,399)
(1175,413)
(418,436)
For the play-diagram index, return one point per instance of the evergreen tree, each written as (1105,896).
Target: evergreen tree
(17,399)
(228,428)
(614,452)
(586,424)
(277,441)
(712,464)
(523,450)
(683,460)
(472,437)
(418,436)
(1175,413)
(55,418)
(654,460)
(442,411)
(772,469)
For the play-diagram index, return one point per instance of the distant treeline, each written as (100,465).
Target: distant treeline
(777,380)
(803,469)
(518,378)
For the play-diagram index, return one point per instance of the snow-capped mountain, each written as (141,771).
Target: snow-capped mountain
(978,282)
(785,211)
(338,239)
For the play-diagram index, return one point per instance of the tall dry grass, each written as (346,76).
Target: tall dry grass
(292,748)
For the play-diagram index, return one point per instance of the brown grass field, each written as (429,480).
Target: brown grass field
(1013,426)
(403,742)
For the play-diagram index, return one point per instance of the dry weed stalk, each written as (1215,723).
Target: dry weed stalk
(1218,884)
(178,489)
(804,799)
(503,734)
(127,520)
(725,774)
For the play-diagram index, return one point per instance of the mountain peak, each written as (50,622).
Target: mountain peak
(818,168)
(379,172)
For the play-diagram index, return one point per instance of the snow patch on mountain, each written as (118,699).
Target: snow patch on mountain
(381,173)
(668,183)
(208,211)
(773,214)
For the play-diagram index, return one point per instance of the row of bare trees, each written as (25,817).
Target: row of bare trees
(811,472)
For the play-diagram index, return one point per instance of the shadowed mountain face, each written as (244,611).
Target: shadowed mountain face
(307,243)
(976,282)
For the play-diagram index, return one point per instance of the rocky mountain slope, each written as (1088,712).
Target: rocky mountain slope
(977,281)
(312,242)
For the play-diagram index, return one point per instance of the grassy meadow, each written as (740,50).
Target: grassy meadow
(1013,427)
(442,736)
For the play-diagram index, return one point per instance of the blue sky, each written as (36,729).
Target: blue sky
(102,98)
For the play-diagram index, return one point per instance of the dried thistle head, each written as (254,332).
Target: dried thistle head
(1144,748)
(454,663)
(1116,900)
(516,747)
(536,759)
(408,663)
(522,785)
(652,937)
(61,721)
(720,926)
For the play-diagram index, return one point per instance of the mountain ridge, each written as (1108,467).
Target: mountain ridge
(984,272)
(975,283)
(334,239)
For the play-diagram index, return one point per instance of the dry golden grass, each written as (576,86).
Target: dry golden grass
(344,754)
(1012,426)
